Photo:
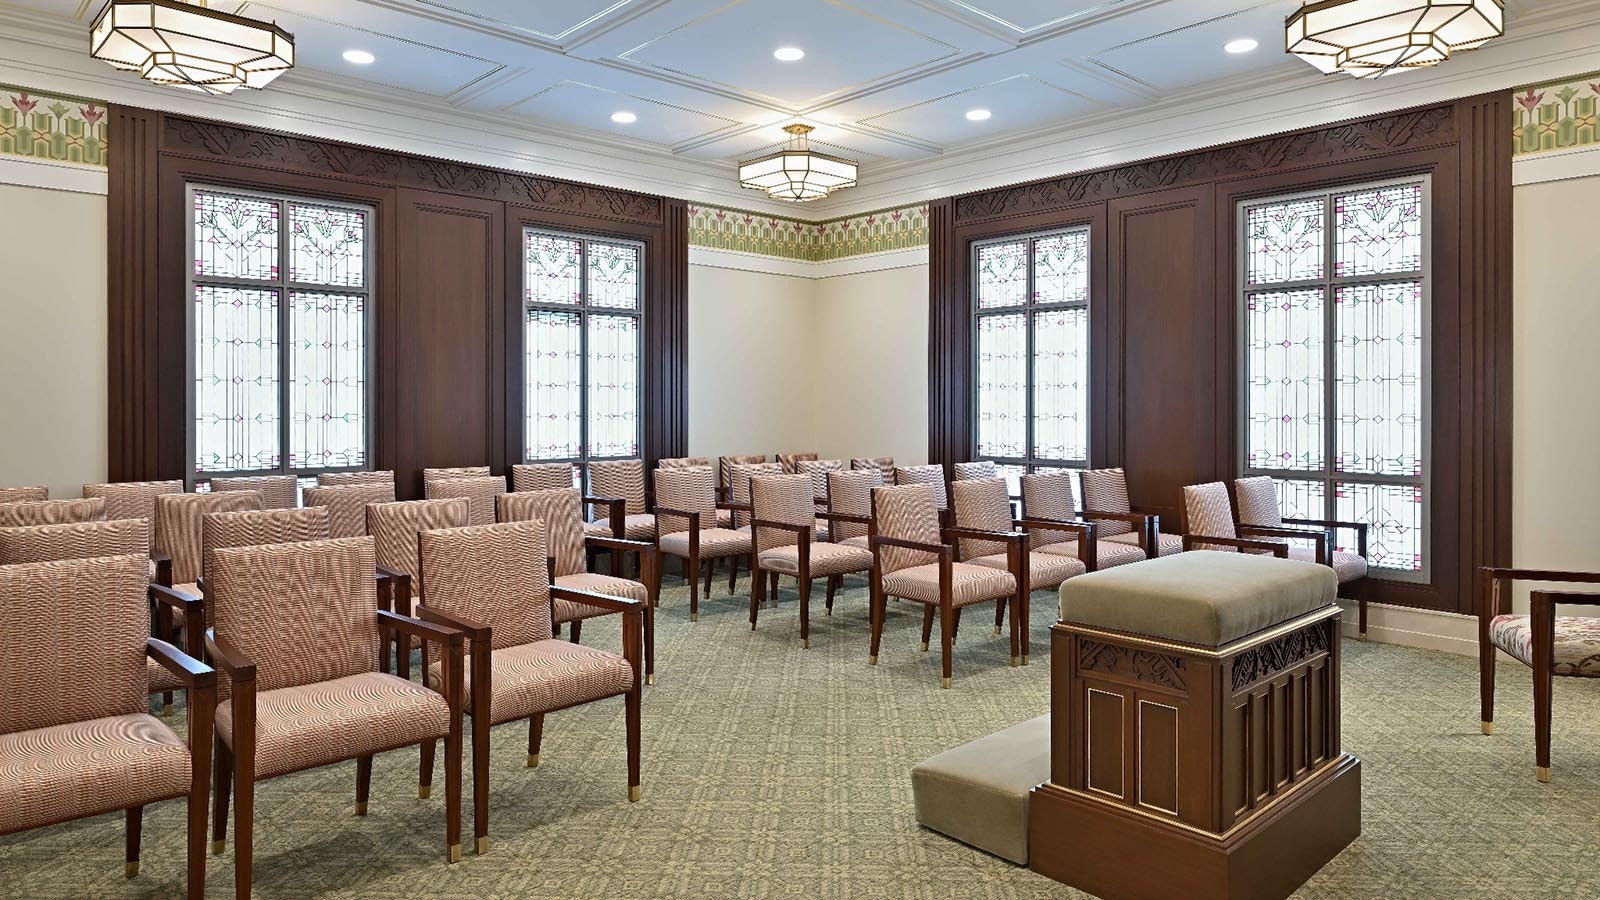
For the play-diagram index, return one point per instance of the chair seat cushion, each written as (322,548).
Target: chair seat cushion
(968,583)
(714,542)
(1347,566)
(1107,552)
(87,768)
(826,559)
(1168,543)
(1045,570)
(1577,649)
(315,724)
(862,541)
(545,676)
(640,527)
(595,583)
(978,792)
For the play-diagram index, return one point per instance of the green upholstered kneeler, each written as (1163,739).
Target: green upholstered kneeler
(977,793)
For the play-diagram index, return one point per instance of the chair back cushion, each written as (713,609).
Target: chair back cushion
(985,504)
(277,491)
(1106,490)
(343,479)
(788,461)
(1258,501)
(561,512)
(441,474)
(51,512)
(73,648)
(1048,495)
(739,486)
(883,464)
(394,528)
(252,528)
(850,493)
(691,490)
(982,468)
(818,469)
(933,476)
(479,490)
(621,479)
(178,530)
(494,574)
(543,477)
(132,499)
(909,512)
(304,613)
(725,466)
(1207,512)
(75,540)
(15,494)
(781,498)
(347,504)
(682,462)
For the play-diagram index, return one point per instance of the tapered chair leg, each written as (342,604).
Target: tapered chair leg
(244,825)
(1024,622)
(947,636)
(928,611)
(772,595)
(1541,621)
(833,585)
(805,612)
(577,631)
(733,574)
(480,773)
(1000,615)
(135,823)
(1016,626)
(758,593)
(711,569)
(363,783)
(535,737)
(222,774)
(691,574)
(955,625)
(875,607)
(425,771)
(632,701)
(452,792)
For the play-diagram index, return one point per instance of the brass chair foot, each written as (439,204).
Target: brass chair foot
(634,792)
(166,711)
(424,791)
(132,870)
(946,683)
(1488,727)
(482,846)
(1024,659)
(455,853)
(1543,773)
(694,617)
(805,643)
(650,679)
(924,646)
(997,629)
(1361,635)
(219,847)
(828,612)
(872,660)
(533,760)
(361,808)
(1016,661)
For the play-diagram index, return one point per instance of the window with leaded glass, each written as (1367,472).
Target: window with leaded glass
(582,346)
(1031,352)
(280,289)
(1335,291)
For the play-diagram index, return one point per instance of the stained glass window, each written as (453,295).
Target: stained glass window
(583,304)
(1336,362)
(1031,403)
(280,335)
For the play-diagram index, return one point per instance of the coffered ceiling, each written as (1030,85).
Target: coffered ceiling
(888,82)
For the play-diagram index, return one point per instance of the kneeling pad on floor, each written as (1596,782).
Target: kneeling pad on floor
(978,792)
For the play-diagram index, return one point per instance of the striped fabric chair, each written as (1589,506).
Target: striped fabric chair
(682,462)
(18,494)
(132,499)
(1055,528)
(818,469)
(347,505)
(298,632)
(686,506)
(277,491)
(481,492)
(789,461)
(395,526)
(1258,515)
(982,468)
(739,499)
(566,543)
(492,583)
(1208,523)
(785,523)
(444,473)
(1105,502)
(850,506)
(51,512)
(984,504)
(76,735)
(621,480)
(343,479)
(912,561)
(725,466)
(178,530)
(933,476)
(884,465)
(543,477)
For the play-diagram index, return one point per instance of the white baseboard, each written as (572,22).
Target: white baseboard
(1407,627)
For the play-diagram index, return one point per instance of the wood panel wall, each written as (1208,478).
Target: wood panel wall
(447,310)
(1164,330)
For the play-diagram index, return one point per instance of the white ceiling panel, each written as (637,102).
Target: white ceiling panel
(71,9)
(551,20)
(850,143)
(586,106)
(1193,54)
(846,49)
(1024,16)
(1021,101)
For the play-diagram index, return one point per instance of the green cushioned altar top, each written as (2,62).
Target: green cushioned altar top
(1203,597)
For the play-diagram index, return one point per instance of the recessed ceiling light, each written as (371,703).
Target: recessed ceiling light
(624,118)
(1242,45)
(359,57)
(789,54)
(977,115)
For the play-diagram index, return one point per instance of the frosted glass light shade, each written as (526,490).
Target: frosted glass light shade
(797,173)
(1372,38)
(176,43)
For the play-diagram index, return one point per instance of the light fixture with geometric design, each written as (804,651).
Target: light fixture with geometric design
(797,173)
(1372,38)
(190,46)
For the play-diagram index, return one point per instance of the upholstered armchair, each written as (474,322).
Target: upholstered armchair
(566,543)
(18,494)
(491,582)
(784,525)
(277,491)
(51,512)
(883,465)
(76,736)
(480,491)
(621,480)
(850,506)
(178,528)
(394,528)
(1548,644)
(739,500)
(543,477)
(343,479)
(132,499)
(1055,528)
(1208,523)
(932,476)
(347,505)
(1105,502)
(913,560)
(790,461)
(1258,515)
(686,508)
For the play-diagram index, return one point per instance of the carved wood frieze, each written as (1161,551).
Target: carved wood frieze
(194,136)
(1271,659)
(1132,664)
(1415,128)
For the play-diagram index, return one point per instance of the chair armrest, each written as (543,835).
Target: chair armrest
(879,540)
(1084,530)
(952,532)
(785,526)
(1568,598)
(475,631)
(1131,518)
(422,631)
(616,512)
(740,507)
(192,672)
(613,543)
(163,563)
(1540,575)
(176,599)
(398,589)
(227,657)
(845,517)
(693,517)
(1360,528)
(604,601)
(1281,551)
(1323,537)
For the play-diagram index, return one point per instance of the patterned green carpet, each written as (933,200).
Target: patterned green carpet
(773,772)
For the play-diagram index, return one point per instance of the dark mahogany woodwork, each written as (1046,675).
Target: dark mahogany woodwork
(1164,328)
(446,317)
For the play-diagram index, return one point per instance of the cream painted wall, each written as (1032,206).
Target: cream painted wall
(53,340)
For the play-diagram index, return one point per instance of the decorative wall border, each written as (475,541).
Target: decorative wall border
(744,231)
(55,128)
(1556,115)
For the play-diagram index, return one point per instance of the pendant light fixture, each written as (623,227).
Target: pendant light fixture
(190,46)
(797,173)
(1372,38)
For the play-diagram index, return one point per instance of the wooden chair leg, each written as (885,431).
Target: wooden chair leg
(632,702)
(772,596)
(691,573)
(999,615)
(650,643)
(875,612)
(577,630)
(833,585)
(711,568)
(1487,657)
(1361,608)
(452,791)
(955,625)
(425,771)
(928,611)
(616,563)
(480,779)
(733,575)
(363,783)
(222,773)
(1016,626)
(1026,622)
(947,636)
(1543,624)
(758,593)
(805,613)
(535,737)
(135,823)
(244,826)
